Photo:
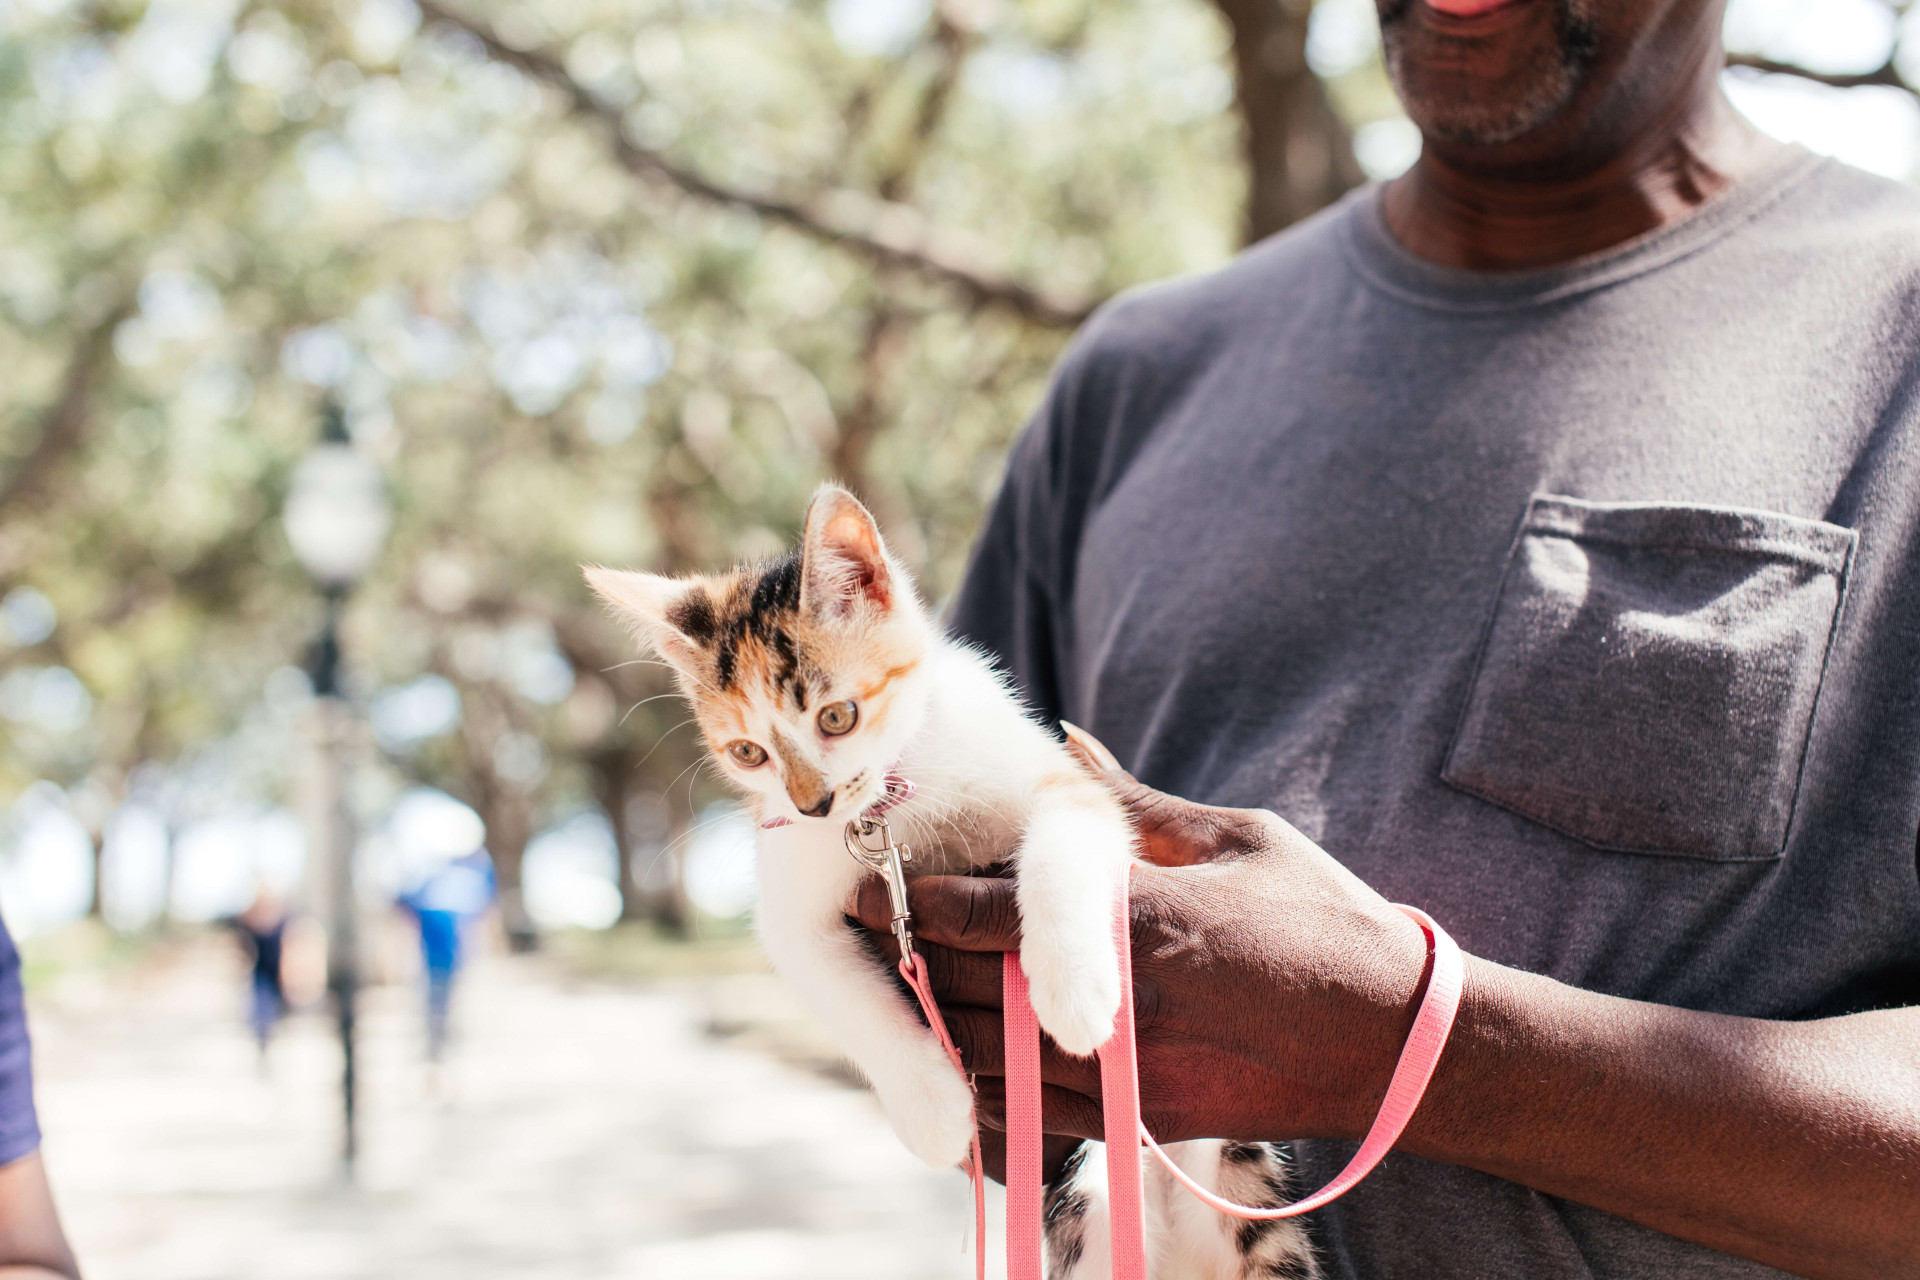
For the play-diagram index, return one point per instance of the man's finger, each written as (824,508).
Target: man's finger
(1063,1113)
(980,1035)
(977,1034)
(1173,832)
(1054,1150)
(968,913)
(1090,751)
(956,977)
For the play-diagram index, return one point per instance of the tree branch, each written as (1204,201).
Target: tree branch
(1299,153)
(890,234)
(64,424)
(1886,75)
(954,39)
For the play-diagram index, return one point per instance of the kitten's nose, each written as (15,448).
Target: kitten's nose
(819,810)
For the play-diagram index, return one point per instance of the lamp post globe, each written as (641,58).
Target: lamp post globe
(337,514)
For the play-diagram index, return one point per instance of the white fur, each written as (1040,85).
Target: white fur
(977,762)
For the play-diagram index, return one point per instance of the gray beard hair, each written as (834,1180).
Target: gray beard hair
(1529,104)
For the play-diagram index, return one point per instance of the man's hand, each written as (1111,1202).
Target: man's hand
(1240,903)
(1274,991)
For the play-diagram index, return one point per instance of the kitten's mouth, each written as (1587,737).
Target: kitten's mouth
(861,799)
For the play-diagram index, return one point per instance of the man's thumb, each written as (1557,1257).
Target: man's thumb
(1089,750)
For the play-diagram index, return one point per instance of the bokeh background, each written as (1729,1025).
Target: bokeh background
(587,280)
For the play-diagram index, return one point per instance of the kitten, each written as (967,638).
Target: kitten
(816,677)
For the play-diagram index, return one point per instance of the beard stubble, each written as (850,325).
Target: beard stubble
(1548,76)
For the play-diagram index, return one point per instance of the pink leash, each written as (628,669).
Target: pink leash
(1120,1099)
(914,970)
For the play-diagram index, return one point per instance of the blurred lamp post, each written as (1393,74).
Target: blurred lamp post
(336,517)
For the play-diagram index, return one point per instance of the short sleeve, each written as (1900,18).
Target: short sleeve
(19,1125)
(1006,601)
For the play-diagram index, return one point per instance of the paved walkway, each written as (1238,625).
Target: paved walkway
(579,1133)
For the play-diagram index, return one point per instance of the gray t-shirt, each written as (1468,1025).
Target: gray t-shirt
(1579,607)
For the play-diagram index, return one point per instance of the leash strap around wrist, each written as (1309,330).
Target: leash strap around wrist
(1120,1100)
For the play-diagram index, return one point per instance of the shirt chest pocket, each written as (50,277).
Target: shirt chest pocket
(1648,679)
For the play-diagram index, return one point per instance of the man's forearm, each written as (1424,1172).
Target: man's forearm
(1796,1144)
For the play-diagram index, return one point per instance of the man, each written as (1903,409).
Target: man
(32,1245)
(1540,535)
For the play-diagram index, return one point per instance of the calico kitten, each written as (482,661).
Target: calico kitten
(813,679)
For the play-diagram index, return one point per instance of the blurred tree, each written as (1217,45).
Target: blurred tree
(595,281)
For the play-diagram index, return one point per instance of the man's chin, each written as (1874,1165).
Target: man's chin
(1488,125)
(1481,73)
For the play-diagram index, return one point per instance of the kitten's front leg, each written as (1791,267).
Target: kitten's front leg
(848,989)
(1072,862)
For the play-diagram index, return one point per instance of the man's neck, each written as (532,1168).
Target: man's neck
(1457,214)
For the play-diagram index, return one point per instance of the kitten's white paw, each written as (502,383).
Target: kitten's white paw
(932,1111)
(1075,997)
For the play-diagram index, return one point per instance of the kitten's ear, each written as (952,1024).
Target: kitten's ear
(675,615)
(843,562)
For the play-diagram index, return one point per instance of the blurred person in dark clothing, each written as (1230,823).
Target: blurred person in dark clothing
(263,929)
(32,1245)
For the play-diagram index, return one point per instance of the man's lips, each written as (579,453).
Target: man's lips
(1467,8)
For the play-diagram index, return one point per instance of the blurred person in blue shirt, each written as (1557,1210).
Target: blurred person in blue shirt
(450,896)
(32,1245)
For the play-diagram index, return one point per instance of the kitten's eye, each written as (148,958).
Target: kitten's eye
(748,755)
(837,718)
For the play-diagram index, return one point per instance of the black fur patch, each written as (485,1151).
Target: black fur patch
(778,590)
(1249,1234)
(1289,1270)
(1063,1211)
(692,616)
(774,599)
(782,645)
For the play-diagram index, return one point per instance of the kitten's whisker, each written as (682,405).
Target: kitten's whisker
(637,662)
(669,847)
(663,738)
(676,780)
(672,693)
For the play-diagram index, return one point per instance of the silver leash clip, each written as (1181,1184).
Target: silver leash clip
(888,859)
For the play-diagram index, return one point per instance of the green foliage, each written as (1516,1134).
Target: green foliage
(558,354)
